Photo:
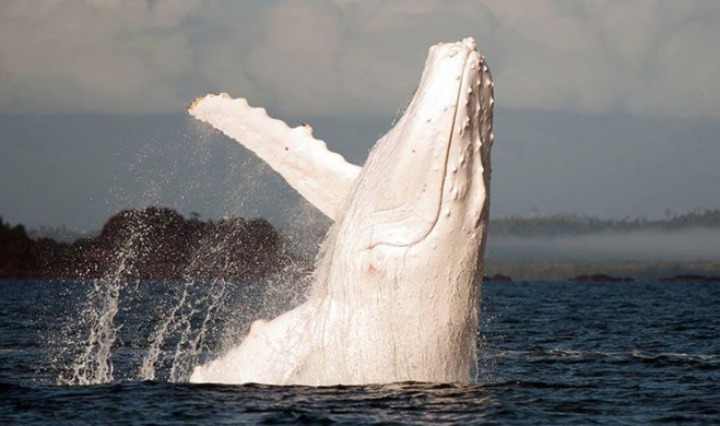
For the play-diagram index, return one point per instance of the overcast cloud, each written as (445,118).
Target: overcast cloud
(650,57)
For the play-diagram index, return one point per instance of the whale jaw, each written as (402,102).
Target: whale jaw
(395,296)
(433,163)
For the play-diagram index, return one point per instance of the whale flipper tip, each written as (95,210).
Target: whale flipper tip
(195,101)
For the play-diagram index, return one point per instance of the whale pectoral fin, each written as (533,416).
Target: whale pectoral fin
(323,177)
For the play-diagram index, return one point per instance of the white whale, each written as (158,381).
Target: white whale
(394,296)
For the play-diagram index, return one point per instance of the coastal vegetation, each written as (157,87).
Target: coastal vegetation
(150,243)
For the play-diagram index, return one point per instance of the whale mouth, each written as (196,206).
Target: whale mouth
(412,220)
(451,138)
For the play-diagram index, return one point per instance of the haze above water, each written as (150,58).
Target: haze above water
(687,245)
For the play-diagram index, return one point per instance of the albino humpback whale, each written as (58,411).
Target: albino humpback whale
(394,296)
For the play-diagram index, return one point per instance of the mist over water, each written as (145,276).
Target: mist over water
(686,245)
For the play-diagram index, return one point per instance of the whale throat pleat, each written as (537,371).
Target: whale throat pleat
(321,176)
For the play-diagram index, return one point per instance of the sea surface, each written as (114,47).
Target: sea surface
(548,353)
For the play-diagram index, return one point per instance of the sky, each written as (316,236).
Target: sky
(608,108)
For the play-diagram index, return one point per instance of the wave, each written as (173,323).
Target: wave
(695,358)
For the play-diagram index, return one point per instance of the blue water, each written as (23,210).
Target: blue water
(550,353)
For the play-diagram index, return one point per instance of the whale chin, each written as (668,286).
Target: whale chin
(394,296)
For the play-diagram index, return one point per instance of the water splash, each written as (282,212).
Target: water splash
(181,321)
(149,363)
(184,320)
(93,365)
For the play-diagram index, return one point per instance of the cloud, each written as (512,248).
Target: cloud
(297,59)
(355,57)
(106,56)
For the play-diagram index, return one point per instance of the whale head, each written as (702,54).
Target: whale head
(406,248)
(425,184)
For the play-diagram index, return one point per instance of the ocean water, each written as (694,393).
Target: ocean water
(548,353)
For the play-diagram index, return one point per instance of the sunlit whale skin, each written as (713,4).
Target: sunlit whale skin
(395,296)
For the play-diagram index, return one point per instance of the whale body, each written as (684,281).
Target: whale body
(396,290)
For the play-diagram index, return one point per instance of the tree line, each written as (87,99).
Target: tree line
(150,243)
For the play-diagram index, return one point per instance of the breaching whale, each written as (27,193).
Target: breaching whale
(395,295)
